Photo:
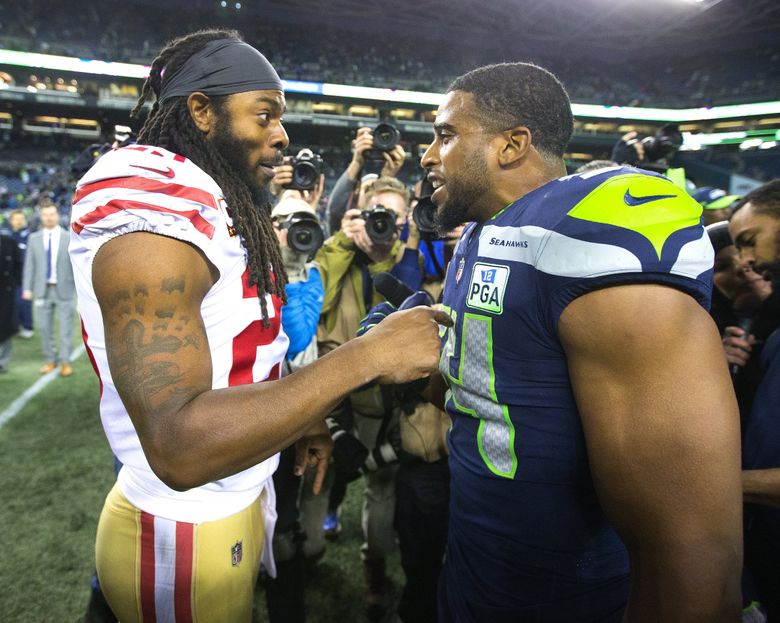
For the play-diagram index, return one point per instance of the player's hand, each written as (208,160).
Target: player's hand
(27,295)
(284,176)
(375,315)
(313,450)
(737,345)
(394,160)
(406,345)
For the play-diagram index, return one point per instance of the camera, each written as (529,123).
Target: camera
(662,146)
(386,138)
(304,234)
(307,167)
(658,149)
(380,223)
(351,458)
(425,212)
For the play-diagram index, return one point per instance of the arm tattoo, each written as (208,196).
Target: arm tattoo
(140,352)
(171,284)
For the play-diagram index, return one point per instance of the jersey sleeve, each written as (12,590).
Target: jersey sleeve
(632,228)
(146,190)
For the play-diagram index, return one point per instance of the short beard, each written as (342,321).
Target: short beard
(234,151)
(772,269)
(462,195)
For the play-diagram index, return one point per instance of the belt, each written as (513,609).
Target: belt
(51,285)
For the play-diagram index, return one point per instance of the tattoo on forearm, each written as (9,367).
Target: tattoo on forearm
(171,284)
(141,353)
(118,297)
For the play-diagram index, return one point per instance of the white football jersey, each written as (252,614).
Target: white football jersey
(143,188)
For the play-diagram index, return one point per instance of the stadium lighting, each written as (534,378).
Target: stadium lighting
(129,70)
(750,143)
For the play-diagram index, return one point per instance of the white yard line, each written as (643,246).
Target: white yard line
(34,389)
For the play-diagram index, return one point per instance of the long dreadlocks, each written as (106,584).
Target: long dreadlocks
(170,126)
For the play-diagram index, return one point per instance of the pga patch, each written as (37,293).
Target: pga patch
(487,287)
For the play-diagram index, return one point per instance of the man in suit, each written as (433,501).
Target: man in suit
(48,280)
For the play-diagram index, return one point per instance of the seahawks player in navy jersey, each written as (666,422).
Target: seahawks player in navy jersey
(595,476)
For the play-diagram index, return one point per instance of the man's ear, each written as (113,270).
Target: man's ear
(515,145)
(202,111)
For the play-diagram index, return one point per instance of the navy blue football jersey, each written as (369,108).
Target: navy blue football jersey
(517,450)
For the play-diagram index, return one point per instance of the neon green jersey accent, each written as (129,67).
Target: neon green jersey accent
(651,206)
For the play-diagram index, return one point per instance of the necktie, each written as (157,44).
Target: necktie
(48,257)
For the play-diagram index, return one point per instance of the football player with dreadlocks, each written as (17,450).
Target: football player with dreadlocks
(180,284)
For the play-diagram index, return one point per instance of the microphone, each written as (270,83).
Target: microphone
(746,324)
(398,293)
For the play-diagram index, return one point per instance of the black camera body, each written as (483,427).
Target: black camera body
(307,168)
(380,223)
(663,145)
(304,233)
(659,149)
(424,214)
(386,138)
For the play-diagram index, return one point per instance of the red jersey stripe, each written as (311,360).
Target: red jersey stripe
(117,205)
(149,185)
(148,611)
(90,355)
(182,592)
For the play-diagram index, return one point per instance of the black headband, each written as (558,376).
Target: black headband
(223,67)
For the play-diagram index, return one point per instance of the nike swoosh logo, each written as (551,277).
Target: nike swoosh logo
(165,173)
(638,201)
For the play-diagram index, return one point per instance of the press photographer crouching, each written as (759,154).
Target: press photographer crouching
(367,244)
(298,536)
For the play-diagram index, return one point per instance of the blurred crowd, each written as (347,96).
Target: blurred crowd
(119,32)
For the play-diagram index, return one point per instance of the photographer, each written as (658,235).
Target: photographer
(755,229)
(298,533)
(366,244)
(346,193)
(653,153)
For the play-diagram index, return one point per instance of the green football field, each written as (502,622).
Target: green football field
(56,468)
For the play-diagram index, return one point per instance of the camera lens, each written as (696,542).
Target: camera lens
(424,215)
(386,136)
(305,175)
(304,234)
(380,224)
